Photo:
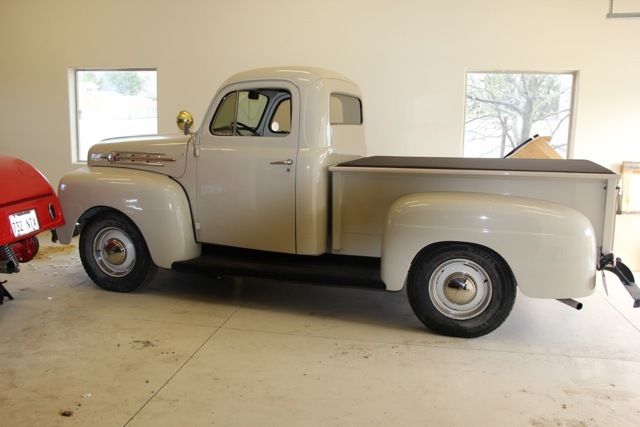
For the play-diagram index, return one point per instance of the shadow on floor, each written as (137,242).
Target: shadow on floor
(376,307)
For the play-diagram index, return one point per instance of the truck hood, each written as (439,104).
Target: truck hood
(165,154)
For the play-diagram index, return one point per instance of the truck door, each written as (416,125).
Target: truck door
(246,168)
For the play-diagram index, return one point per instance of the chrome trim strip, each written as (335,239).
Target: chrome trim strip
(136,158)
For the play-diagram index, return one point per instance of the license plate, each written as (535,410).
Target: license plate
(23,223)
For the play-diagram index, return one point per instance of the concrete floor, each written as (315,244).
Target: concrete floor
(191,351)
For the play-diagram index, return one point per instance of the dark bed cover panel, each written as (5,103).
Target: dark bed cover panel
(458,163)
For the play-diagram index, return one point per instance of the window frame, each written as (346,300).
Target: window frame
(74,102)
(572,106)
(617,13)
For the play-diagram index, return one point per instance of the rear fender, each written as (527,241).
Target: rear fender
(550,248)
(155,203)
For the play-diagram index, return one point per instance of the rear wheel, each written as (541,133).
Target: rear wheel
(461,290)
(114,253)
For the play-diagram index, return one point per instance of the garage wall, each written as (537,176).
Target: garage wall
(410,58)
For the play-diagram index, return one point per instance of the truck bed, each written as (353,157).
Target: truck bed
(363,189)
(456,163)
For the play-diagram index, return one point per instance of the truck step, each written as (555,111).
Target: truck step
(338,270)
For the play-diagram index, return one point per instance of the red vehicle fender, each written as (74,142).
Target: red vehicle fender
(24,188)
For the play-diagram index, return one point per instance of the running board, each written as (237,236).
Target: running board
(338,270)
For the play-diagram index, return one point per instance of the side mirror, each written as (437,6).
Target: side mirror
(184,121)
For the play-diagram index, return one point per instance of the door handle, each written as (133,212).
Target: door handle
(287,162)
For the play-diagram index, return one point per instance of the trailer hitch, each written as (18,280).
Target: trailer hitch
(617,267)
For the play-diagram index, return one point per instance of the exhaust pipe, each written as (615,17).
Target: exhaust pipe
(8,267)
(572,303)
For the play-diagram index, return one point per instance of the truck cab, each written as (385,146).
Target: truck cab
(263,157)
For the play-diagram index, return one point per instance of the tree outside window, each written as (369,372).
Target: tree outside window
(505,109)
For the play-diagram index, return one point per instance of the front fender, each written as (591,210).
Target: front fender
(155,203)
(550,248)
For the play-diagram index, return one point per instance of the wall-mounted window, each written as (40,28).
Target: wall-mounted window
(624,9)
(631,187)
(112,103)
(505,109)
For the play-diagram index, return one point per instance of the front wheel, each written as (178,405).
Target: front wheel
(461,290)
(114,253)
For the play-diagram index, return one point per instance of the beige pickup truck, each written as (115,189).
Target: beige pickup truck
(275,183)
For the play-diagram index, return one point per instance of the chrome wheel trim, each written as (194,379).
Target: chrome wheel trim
(460,289)
(114,252)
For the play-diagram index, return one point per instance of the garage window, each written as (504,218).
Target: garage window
(504,109)
(111,103)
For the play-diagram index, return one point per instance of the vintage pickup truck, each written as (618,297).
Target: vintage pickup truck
(275,184)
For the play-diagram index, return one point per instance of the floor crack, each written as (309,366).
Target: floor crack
(608,300)
(181,366)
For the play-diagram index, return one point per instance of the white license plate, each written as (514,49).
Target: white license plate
(23,223)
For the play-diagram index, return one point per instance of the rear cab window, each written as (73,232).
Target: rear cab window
(345,109)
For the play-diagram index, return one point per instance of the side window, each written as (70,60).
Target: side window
(251,107)
(281,120)
(345,110)
(246,112)
(223,121)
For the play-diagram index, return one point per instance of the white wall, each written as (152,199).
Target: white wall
(410,58)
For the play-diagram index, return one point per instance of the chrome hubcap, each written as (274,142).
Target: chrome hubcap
(460,289)
(114,252)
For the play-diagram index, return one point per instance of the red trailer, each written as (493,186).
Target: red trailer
(28,206)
